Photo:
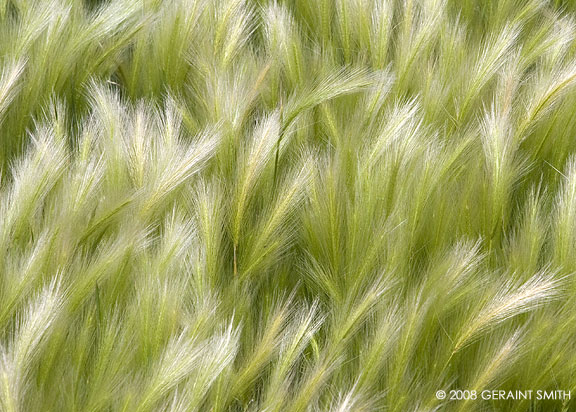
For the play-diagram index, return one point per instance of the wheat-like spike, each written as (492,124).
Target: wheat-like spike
(24,349)
(254,160)
(180,358)
(9,84)
(510,301)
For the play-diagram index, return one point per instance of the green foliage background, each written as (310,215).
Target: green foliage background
(286,206)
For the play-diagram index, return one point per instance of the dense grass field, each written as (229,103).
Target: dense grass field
(287,206)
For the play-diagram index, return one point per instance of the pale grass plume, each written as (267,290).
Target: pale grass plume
(565,213)
(509,301)
(254,160)
(491,58)
(284,41)
(352,401)
(502,359)
(11,73)
(548,91)
(234,22)
(21,353)
(181,357)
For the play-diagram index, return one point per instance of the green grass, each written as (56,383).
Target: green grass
(286,206)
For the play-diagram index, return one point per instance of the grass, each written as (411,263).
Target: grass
(286,206)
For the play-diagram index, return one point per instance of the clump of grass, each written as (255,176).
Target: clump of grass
(286,206)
